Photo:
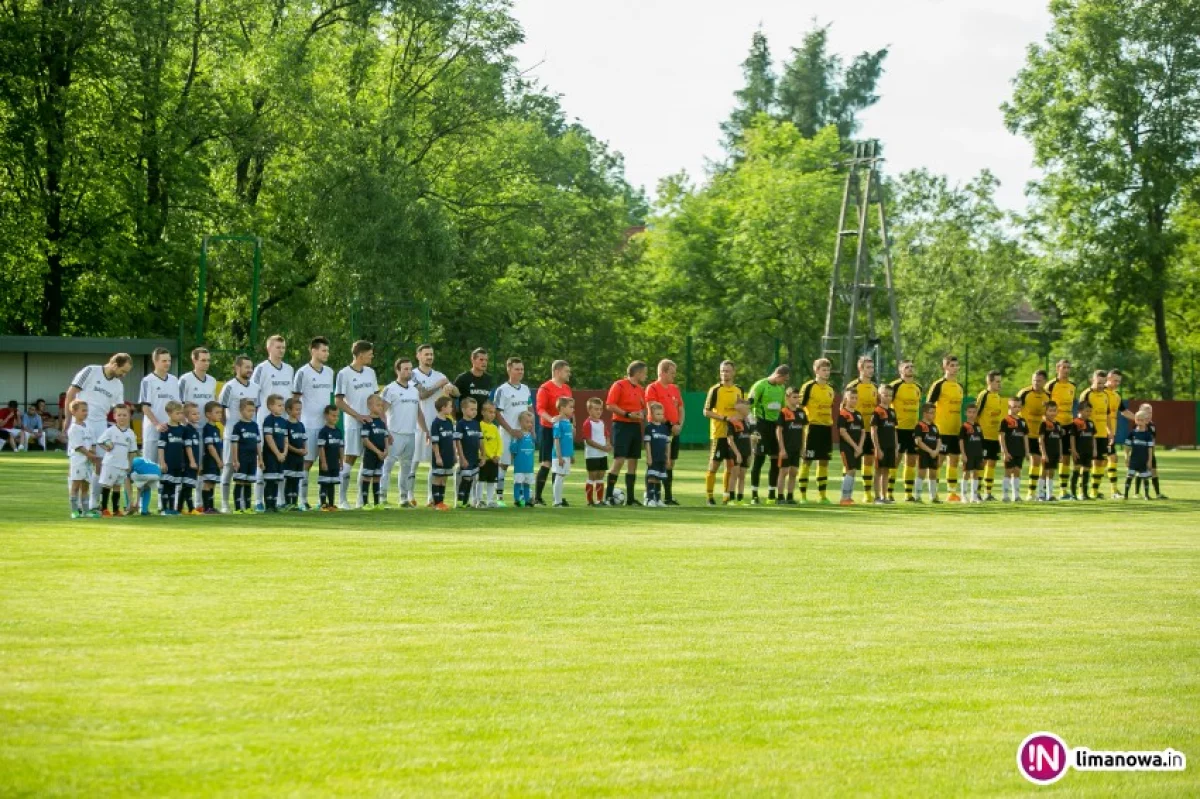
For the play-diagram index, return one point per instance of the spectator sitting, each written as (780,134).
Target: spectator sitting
(49,424)
(10,427)
(33,427)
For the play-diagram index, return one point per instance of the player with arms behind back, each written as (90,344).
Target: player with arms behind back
(906,402)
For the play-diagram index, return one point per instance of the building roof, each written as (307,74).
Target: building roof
(84,345)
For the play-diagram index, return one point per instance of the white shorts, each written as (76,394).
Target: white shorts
(227,453)
(311,444)
(144,480)
(523,479)
(506,441)
(150,436)
(422,449)
(353,432)
(111,475)
(564,470)
(81,468)
(404,446)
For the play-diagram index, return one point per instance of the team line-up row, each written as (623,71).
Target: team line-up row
(271,424)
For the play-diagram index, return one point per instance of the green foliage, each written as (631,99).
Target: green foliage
(817,89)
(756,97)
(1111,103)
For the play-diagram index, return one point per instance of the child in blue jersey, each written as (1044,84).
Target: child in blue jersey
(523,452)
(144,475)
(468,439)
(274,451)
(330,443)
(211,464)
(377,443)
(442,457)
(297,447)
(191,459)
(658,449)
(564,448)
(1139,453)
(171,459)
(244,442)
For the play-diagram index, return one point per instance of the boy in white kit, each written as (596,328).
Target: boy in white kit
(240,387)
(430,385)
(272,376)
(313,386)
(511,399)
(355,383)
(84,461)
(119,445)
(402,400)
(101,388)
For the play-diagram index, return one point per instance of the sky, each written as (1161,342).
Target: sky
(655,78)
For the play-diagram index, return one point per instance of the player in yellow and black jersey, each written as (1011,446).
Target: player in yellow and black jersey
(989,413)
(1062,394)
(1033,399)
(719,408)
(816,398)
(906,402)
(868,398)
(946,395)
(1116,409)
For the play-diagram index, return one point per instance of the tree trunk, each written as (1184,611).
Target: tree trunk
(56,66)
(1165,357)
(1157,261)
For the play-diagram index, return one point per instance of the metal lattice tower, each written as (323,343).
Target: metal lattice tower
(852,284)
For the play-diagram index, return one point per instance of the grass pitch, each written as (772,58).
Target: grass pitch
(760,651)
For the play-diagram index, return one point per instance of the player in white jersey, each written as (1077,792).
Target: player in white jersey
(198,385)
(430,385)
(119,445)
(313,386)
(273,376)
(101,388)
(81,447)
(511,400)
(355,383)
(406,423)
(238,388)
(158,388)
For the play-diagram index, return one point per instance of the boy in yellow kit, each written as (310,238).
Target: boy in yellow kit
(489,466)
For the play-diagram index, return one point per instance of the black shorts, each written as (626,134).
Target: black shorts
(720,451)
(545,444)
(949,444)
(1014,463)
(886,459)
(674,448)
(973,464)
(991,450)
(907,441)
(596,464)
(1103,449)
(1083,463)
(818,443)
(627,440)
(789,459)
(926,461)
(768,444)
(744,449)
(850,461)
(1034,445)
(489,471)
(1050,465)
(868,443)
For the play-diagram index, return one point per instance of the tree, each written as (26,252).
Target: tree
(756,97)
(817,90)
(1111,103)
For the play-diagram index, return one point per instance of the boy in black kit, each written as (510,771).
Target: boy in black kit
(970,447)
(467,438)
(1050,439)
(1083,450)
(211,464)
(658,446)
(887,453)
(376,445)
(191,458)
(244,442)
(274,451)
(929,448)
(171,459)
(330,443)
(297,448)
(442,446)
(789,432)
(1139,453)
(1014,433)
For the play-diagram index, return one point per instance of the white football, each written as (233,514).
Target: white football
(618,495)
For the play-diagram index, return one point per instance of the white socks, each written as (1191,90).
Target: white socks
(559,481)
(344,484)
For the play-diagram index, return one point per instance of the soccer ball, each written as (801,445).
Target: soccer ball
(618,496)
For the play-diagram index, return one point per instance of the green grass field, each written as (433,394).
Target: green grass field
(741,651)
